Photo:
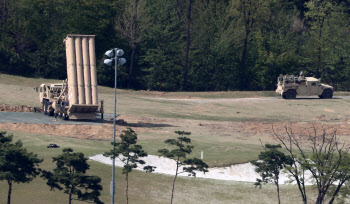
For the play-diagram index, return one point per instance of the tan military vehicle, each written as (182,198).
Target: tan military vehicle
(76,97)
(290,86)
(48,94)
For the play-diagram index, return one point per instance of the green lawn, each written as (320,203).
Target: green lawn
(144,187)
(215,131)
(19,90)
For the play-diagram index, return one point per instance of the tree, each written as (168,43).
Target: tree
(270,164)
(17,165)
(249,14)
(129,27)
(184,13)
(277,45)
(161,51)
(325,54)
(179,155)
(214,58)
(128,152)
(69,176)
(329,161)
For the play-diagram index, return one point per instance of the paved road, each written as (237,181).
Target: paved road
(39,118)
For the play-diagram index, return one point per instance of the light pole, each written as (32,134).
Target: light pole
(116,53)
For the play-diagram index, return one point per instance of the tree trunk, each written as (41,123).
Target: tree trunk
(130,78)
(133,43)
(320,198)
(319,54)
(188,43)
(70,196)
(172,190)
(336,192)
(10,191)
(127,188)
(278,192)
(243,62)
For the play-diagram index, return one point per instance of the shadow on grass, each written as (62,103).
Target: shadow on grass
(148,125)
(314,98)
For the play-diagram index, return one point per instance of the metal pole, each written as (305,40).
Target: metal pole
(115,115)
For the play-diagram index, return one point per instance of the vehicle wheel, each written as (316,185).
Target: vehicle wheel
(44,110)
(291,94)
(327,93)
(51,113)
(65,117)
(45,107)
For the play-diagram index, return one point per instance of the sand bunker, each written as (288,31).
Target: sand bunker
(239,172)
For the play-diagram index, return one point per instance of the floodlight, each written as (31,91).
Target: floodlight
(114,55)
(108,62)
(121,61)
(109,53)
(120,52)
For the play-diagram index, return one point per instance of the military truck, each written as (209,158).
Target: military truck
(76,97)
(49,94)
(290,86)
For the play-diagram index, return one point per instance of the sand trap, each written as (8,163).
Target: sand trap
(240,172)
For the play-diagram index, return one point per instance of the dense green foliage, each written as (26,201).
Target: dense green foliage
(198,45)
(17,165)
(69,176)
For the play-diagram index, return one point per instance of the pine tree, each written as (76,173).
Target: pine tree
(69,176)
(129,153)
(17,165)
(179,154)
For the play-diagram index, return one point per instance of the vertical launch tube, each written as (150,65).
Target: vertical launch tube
(93,70)
(71,71)
(87,75)
(80,73)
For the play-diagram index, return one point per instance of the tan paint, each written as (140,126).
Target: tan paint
(87,75)
(71,71)
(93,70)
(82,78)
(80,72)
(289,86)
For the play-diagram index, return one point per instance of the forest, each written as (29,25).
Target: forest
(183,45)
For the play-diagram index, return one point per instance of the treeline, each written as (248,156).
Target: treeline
(172,45)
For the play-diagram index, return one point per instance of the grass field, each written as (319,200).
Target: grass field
(144,187)
(19,91)
(225,125)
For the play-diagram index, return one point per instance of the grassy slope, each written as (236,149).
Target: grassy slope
(19,90)
(144,187)
(218,149)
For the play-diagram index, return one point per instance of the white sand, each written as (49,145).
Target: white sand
(240,172)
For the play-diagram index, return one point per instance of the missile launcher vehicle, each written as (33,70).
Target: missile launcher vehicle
(76,97)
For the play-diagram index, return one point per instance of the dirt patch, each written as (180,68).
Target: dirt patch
(18,108)
(266,128)
(165,126)
(102,132)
